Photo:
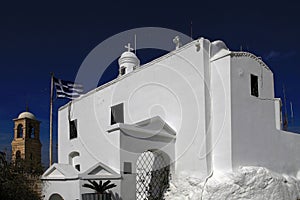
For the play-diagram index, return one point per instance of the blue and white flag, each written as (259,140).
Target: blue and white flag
(67,89)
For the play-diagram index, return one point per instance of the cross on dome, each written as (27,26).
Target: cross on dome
(128,47)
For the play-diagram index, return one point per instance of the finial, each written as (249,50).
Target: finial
(177,42)
(128,47)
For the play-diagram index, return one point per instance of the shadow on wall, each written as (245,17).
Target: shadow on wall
(153,175)
(159,182)
(115,196)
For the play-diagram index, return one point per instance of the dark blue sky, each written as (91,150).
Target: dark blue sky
(39,38)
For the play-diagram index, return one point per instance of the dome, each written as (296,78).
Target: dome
(128,54)
(26,115)
(129,57)
(218,48)
(219,44)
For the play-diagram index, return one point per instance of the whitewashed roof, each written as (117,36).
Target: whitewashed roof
(154,127)
(28,115)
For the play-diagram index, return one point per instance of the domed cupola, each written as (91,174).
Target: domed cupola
(128,61)
(27,115)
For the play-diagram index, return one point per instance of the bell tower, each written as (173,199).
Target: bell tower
(128,61)
(26,144)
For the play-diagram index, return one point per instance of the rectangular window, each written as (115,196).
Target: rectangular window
(73,129)
(77,167)
(117,114)
(127,168)
(123,70)
(254,85)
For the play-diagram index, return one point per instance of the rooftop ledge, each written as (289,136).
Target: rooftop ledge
(194,42)
(154,127)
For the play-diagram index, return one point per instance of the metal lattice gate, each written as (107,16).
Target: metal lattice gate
(152,178)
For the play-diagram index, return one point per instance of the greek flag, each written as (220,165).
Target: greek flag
(67,89)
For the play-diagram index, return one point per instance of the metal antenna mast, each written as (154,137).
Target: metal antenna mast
(285,120)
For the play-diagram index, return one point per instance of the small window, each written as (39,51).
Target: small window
(73,129)
(123,70)
(31,132)
(127,168)
(31,156)
(254,85)
(117,114)
(77,167)
(72,156)
(20,131)
(18,155)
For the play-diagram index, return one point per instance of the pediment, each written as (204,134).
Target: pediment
(100,171)
(60,171)
(55,173)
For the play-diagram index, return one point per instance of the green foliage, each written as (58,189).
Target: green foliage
(28,167)
(14,183)
(99,187)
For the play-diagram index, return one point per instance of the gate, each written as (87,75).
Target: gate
(152,178)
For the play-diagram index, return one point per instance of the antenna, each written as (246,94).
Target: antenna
(292,113)
(27,107)
(135,44)
(285,121)
(191,30)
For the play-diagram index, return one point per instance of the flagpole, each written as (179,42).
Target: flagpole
(51,120)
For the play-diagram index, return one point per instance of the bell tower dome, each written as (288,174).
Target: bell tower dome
(128,61)
(26,144)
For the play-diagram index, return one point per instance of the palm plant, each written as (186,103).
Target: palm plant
(99,187)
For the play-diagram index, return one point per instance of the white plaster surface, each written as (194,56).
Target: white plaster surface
(255,183)
(66,189)
(202,93)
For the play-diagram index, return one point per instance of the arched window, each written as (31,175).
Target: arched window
(55,197)
(31,131)
(20,131)
(74,159)
(152,175)
(18,155)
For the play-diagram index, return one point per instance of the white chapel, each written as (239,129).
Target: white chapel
(198,109)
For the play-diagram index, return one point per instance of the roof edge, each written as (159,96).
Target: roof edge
(249,55)
(119,78)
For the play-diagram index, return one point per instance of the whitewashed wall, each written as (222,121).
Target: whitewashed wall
(90,144)
(246,129)
(255,138)
(219,125)
(171,87)
(221,114)
(66,189)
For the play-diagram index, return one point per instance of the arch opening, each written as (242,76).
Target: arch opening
(152,175)
(20,131)
(31,132)
(55,197)
(18,155)
(74,159)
